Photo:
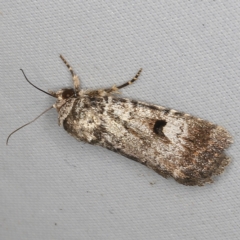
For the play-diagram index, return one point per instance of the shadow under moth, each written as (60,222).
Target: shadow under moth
(174,144)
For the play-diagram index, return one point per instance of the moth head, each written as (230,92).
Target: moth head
(63,96)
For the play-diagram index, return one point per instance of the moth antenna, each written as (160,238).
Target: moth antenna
(27,124)
(36,86)
(75,78)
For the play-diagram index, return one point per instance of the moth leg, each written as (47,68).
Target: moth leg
(75,78)
(131,81)
(115,88)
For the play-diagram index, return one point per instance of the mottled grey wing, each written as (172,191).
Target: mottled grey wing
(189,149)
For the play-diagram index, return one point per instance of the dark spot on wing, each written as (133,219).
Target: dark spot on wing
(153,107)
(134,103)
(123,100)
(106,99)
(158,127)
(166,111)
(180,114)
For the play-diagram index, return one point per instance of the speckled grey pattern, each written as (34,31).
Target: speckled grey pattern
(54,187)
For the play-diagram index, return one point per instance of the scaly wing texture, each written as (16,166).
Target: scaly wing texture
(189,149)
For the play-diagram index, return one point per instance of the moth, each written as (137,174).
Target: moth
(172,143)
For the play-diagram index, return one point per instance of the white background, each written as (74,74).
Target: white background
(53,187)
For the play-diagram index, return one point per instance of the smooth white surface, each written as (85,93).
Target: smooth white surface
(53,187)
